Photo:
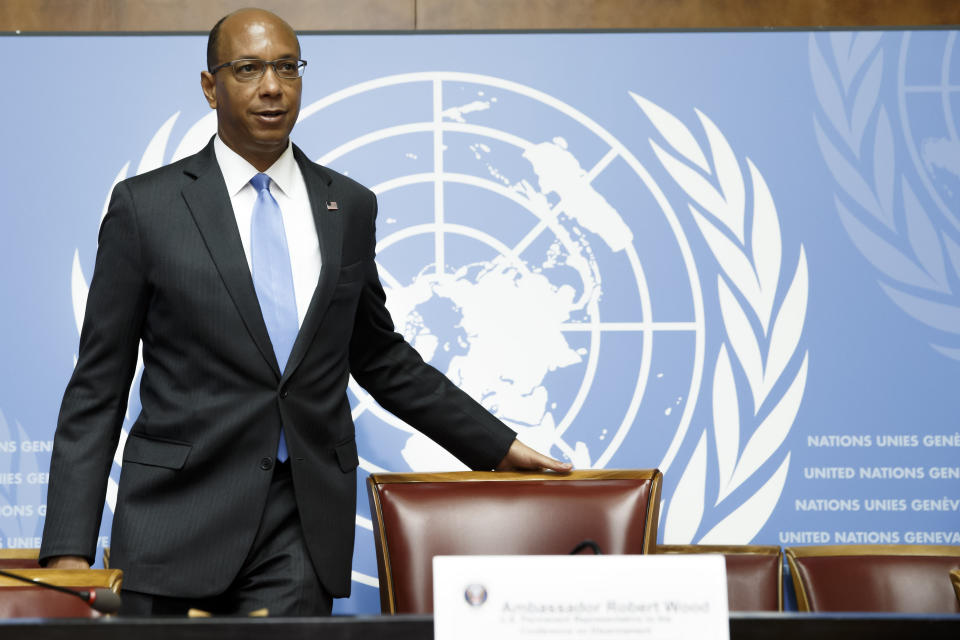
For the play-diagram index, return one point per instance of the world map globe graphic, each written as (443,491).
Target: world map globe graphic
(528,255)
(929,102)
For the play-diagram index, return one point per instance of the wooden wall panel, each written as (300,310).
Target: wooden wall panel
(200,15)
(408,15)
(680,14)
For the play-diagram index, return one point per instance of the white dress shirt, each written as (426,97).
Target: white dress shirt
(290,191)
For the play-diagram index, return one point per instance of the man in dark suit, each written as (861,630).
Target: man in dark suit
(248,274)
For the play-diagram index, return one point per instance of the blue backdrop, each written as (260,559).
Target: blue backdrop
(732,256)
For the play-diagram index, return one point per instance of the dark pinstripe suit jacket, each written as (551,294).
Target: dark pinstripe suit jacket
(171,272)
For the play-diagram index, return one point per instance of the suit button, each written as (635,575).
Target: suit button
(284,392)
(266,464)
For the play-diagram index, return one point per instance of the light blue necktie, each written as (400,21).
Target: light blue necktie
(273,277)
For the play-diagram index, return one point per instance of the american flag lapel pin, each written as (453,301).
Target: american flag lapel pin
(332,205)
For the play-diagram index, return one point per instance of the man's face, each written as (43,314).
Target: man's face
(255,117)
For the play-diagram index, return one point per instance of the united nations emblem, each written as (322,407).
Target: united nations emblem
(529,255)
(475,594)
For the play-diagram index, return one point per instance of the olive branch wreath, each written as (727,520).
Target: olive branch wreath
(887,224)
(763,332)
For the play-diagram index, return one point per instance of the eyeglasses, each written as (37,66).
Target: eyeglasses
(253,69)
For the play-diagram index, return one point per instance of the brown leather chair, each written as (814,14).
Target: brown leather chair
(19,559)
(955,579)
(421,515)
(891,578)
(754,573)
(21,600)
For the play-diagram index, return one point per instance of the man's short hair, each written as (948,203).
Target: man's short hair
(212,41)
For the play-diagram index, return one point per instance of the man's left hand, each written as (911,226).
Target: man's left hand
(520,457)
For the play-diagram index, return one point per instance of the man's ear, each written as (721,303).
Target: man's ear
(209,85)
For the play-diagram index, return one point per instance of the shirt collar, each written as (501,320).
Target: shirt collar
(237,172)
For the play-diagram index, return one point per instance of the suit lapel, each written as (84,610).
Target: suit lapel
(209,203)
(330,231)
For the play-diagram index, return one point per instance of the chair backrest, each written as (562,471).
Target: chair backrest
(21,600)
(955,579)
(754,573)
(891,578)
(19,559)
(421,515)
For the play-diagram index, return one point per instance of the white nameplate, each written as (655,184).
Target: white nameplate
(655,597)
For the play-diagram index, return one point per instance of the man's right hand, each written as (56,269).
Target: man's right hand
(520,457)
(68,562)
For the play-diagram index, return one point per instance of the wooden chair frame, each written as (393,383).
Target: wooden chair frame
(732,549)
(21,599)
(901,550)
(72,578)
(387,595)
(19,554)
(19,559)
